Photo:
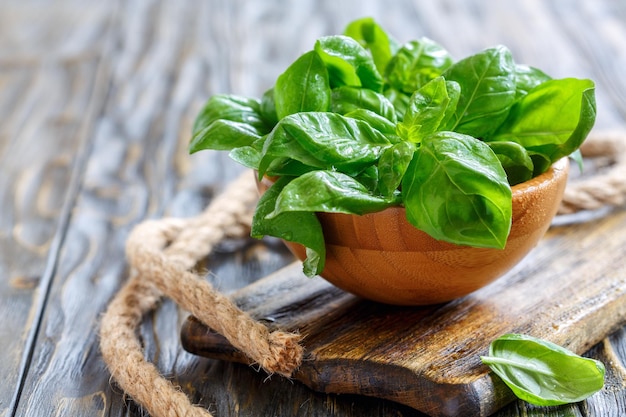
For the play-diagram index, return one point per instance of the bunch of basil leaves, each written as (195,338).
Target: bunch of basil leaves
(361,123)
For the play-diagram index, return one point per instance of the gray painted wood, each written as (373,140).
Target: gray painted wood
(96,105)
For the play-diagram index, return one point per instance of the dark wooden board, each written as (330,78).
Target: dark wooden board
(429,357)
(97,100)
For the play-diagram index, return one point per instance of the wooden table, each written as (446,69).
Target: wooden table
(96,105)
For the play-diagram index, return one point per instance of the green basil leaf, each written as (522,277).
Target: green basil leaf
(515,160)
(346,99)
(553,119)
(249,155)
(325,141)
(392,165)
(541,162)
(233,108)
(527,78)
(454,93)
(399,100)
(378,122)
(331,192)
(369,178)
(456,190)
(238,122)
(304,86)
(487,81)
(224,135)
(300,227)
(348,63)
(373,38)
(543,373)
(268,108)
(415,64)
(288,167)
(429,108)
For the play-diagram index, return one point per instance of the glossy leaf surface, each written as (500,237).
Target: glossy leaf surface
(487,81)
(373,38)
(430,108)
(543,373)
(553,119)
(456,190)
(330,192)
(416,63)
(304,86)
(346,99)
(325,141)
(515,160)
(348,63)
(392,165)
(295,226)
(226,122)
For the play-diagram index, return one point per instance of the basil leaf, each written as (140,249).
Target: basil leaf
(392,165)
(268,108)
(515,160)
(230,107)
(373,38)
(325,141)
(346,99)
(348,63)
(226,122)
(378,122)
(487,81)
(429,108)
(224,135)
(304,86)
(415,64)
(301,227)
(369,178)
(331,192)
(527,78)
(543,373)
(456,190)
(541,163)
(399,99)
(553,119)
(288,167)
(249,155)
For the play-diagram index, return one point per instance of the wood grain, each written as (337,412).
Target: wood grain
(42,104)
(429,358)
(102,95)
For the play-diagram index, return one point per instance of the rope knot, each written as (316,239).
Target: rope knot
(285,353)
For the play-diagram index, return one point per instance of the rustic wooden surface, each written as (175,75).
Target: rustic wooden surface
(429,357)
(96,105)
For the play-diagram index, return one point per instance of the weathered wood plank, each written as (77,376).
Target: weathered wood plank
(165,59)
(138,154)
(42,102)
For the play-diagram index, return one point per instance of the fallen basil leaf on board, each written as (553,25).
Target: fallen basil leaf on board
(543,373)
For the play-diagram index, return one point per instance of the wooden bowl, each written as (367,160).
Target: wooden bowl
(382,257)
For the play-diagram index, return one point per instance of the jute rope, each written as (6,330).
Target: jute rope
(605,189)
(162,254)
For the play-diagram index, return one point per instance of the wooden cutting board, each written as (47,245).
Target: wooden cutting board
(571,290)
